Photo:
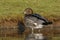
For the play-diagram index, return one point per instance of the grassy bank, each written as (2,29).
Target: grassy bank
(11,8)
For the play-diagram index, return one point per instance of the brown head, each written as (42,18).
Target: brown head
(28,11)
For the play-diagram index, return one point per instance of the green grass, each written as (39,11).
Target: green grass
(16,7)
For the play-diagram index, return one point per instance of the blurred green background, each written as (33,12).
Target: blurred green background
(50,8)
